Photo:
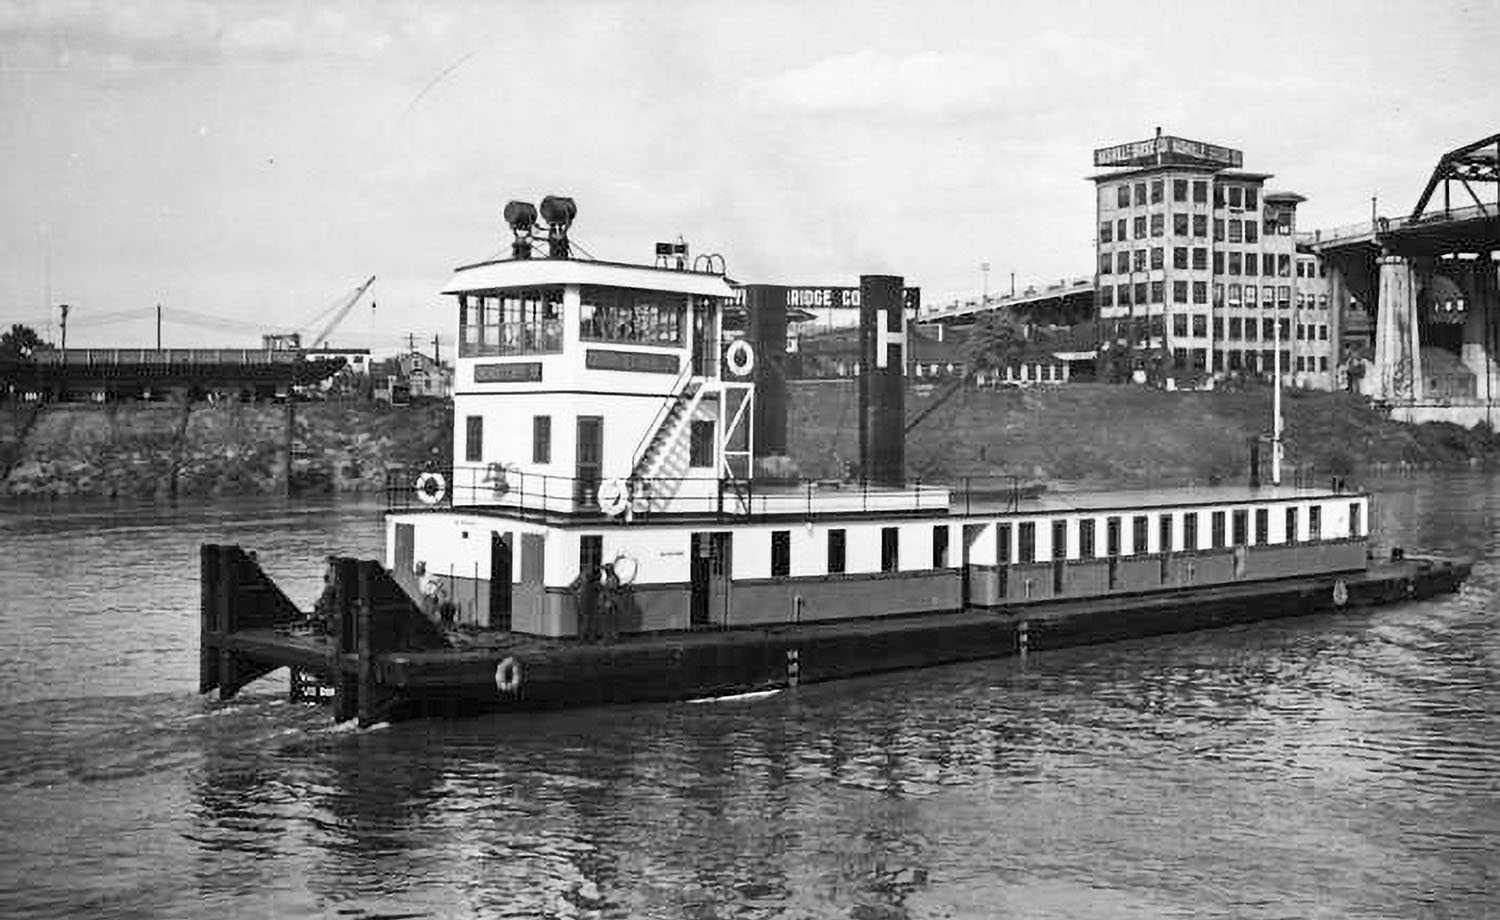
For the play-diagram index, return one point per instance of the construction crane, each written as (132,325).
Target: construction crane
(337,312)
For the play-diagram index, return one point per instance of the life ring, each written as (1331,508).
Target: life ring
(508,675)
(626,568)
(1340,593)
(739,357)
(614,496)
(431,488)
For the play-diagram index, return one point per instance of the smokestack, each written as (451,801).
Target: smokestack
(882,340)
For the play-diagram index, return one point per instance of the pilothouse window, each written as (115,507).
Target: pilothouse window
(640,317)
(524,321)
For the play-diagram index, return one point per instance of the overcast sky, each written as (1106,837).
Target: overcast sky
(256,161)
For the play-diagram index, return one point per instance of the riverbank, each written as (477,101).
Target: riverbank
(1083,434)
(1126,436)
(162,450)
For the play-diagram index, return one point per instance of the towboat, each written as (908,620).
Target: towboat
(608,531)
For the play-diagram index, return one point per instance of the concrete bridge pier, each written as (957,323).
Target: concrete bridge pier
(1481,290)
(1398,353)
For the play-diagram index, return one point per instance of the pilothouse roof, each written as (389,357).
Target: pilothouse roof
(519,273)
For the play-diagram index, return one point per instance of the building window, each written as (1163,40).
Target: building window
(1179,292)
(1236,231)
(1140,292)
(1123,295)
(1120,229)
(1234,329)
(1200,257)
(1200,325)
(1106,296)
(1218,230)
(1284,265)
(474,439)
(1026,540)
(1138,530)
(1218,327)
(1158,224)
(1200,191)
(1219,263)
(1200,225)
(1250,295)
(1122,198)
(1140,260)
(1112,536)
(1179,257)
(1190,531)
(1250,266)
(1236,360)
(1200,292)
(1322,333)
(890,549)
(701,443)
(1236,196)
(1180,224)
(1060,539)
(1158,291)
(1252,231)
(781,553)
(1234,263)
(1158,257)
(1218,196)
(1216,530)
(1106,262)
(1140,227)
(1234,295)
(1106,231)
(1179,325)
(1179,189)
(940,546)
(836,543)
(1122,262)
(1315,522)
(1250,198)
(1140,193)
(541,439)
(1156,191)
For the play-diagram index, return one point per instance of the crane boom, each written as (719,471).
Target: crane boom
(322,337)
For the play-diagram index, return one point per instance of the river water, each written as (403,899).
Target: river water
(1331,766)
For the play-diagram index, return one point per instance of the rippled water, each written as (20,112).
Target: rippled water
(1333,766)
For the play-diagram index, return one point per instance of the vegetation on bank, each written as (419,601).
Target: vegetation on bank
(1124,435)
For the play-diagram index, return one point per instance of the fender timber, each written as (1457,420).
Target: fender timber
(634,553)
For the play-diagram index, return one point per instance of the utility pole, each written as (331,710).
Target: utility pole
(435,354)
(984,267)
(411,342)
(158,327)
(63,309)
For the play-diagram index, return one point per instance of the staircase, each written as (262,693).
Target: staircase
(662,465)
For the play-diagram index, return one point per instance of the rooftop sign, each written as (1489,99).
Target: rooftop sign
(1171,150)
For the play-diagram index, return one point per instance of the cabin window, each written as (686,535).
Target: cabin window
(1086,538)
(1291,525)
(1060,539)
(1241,526)
(632,316)
(890,549)
(474,439)
(590,553)
(1216,530)
(1315,522)
(1112,536)
(1164,534)
(836,551)
(1138,530)
(701,443)
(525,321)
(781,553)
(541,439)
(1190,531)
(940,546)
(1002,543)
(1262,526)
(1026,539)
(1354,509)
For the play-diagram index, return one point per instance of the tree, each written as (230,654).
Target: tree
(998,340)
(19,343)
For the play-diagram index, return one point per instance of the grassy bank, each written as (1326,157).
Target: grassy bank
(1128,436)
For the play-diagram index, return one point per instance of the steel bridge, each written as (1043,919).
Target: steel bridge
(1430,279)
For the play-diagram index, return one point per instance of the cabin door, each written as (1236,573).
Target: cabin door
(405,558)
(501,560)
(710,578)
(972,532)
(590,459)
(705,339)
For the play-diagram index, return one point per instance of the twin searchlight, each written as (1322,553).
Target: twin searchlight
(557,211)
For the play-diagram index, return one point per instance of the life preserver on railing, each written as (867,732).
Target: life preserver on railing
(431,488)
(614,496)
(739,357)
(626,568)
(1340,593)
(508,675)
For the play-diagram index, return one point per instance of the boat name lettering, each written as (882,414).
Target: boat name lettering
(638,361)
(518,372)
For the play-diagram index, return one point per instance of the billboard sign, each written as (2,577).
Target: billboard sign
(1172,150)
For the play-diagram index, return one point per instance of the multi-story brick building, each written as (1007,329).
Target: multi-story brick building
(1195,256)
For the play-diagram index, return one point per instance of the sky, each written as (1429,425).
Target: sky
(248,165)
